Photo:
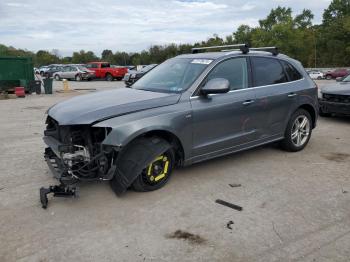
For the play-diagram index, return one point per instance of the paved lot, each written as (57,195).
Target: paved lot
(295,205)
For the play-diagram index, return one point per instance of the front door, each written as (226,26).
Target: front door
(222,122)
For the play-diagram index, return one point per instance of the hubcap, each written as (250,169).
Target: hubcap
(300,130)
(157,170)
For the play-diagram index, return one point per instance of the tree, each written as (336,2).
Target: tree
(45,58)
(280,15)
(304,20)
(107,55)
(243,35)
(337,9)
(83,57)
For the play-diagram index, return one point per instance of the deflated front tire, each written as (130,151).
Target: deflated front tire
(152,155)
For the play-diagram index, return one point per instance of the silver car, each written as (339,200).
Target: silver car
(76,72)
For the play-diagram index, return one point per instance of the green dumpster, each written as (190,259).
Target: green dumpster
(15,71)
(48,85)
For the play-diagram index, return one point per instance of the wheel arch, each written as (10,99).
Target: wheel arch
(167,135)
(311,110)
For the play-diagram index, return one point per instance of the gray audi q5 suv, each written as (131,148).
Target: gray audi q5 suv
(188,109)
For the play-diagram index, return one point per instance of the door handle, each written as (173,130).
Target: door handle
(292,95)
(248,102)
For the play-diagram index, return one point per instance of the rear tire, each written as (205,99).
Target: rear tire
(57,78)
(328,77)
(298,131)
(156,174)
(109,77)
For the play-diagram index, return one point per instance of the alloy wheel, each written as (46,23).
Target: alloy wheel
(300,130)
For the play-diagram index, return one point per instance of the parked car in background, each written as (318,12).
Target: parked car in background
(132,76)
(316,74)
(188,109)
(335,99)
(52,70)
(104,70)
(336,73)
(131,67)
(41,70)
(76,72)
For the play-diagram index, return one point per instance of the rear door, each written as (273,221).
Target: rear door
(222,122)
(276,94)
(64,73)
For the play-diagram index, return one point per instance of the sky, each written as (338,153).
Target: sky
(130,25)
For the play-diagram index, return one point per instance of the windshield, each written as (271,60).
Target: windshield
(173,76)
(147,68)
(346,79)
(82,68)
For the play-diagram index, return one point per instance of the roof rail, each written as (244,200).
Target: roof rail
(244,48)
(272,49)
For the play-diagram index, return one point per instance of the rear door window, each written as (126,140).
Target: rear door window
(267,71)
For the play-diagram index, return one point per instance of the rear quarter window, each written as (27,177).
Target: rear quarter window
(267,71)
(292,72)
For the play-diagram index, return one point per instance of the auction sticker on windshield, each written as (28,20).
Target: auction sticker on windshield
(201,61)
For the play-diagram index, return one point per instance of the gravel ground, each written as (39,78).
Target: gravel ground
(295,205)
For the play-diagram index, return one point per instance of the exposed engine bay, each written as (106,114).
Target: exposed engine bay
(76,153)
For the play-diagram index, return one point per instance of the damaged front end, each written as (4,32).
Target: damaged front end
(76,153)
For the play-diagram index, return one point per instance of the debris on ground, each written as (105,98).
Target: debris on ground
(193,239)
(342,190)
(233,206)
(337,157)
(276,232)
(86,89)
(235,185)
(35,107)
(229,224)
(1,188)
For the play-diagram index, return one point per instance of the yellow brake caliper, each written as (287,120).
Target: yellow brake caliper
(164,172)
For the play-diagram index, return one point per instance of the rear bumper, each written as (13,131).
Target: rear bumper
(334,107)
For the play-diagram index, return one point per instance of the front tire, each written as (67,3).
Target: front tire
(298,131)
(328,77)
(57,78)
(156,174)
(78,78)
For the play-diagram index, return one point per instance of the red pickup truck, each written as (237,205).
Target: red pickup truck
(104,70)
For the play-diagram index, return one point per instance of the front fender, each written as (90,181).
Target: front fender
(173,119)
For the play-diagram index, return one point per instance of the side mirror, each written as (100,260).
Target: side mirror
(338,79)
(216,86)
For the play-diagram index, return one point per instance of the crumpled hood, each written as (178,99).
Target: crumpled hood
(94,107)
(337,89)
